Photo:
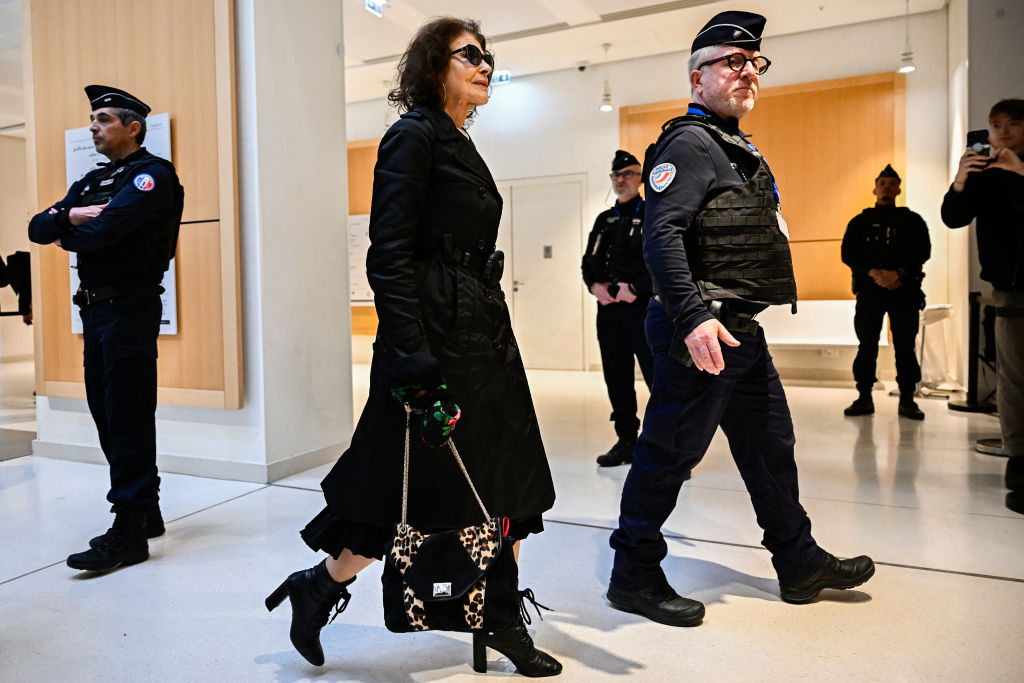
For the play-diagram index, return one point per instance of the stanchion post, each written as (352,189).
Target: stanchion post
(971,405)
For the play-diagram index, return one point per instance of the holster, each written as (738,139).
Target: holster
(731,320)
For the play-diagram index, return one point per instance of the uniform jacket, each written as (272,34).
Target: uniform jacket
(615,250)
(429,181)
(996,198)
(702,170)
(142,217)
(887,237)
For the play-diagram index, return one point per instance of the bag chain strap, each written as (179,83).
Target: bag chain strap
(405,476)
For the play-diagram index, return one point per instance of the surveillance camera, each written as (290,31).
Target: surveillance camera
(581,66)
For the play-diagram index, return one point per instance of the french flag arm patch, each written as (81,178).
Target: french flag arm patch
(662,176)
(144,182)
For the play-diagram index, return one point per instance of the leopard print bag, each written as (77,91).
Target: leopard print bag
(455,580)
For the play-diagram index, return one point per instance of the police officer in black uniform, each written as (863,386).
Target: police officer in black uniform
(885,247)
(122,221)
(717,253)
(614,272)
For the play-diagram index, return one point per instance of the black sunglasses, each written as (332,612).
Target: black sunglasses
(474,55)
(737,61)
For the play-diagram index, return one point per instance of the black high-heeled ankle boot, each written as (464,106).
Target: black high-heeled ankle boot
(312,593)
(516,644)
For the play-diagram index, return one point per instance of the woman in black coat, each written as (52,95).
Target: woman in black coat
(444,342)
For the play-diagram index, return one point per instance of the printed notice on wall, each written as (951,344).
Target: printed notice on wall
(358,244)
(80,157)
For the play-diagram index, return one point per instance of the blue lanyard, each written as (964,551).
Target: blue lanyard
(696,111)
(636,215)
(636,211)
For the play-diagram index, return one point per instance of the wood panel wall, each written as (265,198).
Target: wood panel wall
(362,157)
(178,57)
(826,142)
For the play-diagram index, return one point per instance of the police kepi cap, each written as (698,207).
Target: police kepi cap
(889,172)
(623,159)
(741,29)
(101,96)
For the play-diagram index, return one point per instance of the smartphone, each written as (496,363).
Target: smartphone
(977,141)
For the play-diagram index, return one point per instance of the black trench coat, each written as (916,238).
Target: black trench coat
(430,181)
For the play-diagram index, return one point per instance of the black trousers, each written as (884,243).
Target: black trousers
(620,334)
(120,383)
(904,307)
(686,408)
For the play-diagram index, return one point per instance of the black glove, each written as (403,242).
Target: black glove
(440,415)
(412,375)
(409,374)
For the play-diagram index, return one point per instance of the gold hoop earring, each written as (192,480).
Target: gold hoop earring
(444,96)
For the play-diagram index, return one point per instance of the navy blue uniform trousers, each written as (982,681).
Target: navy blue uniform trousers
(120,384)
(620,335)
(903,305)
(685,409)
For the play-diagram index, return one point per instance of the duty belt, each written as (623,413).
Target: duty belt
(87,297)
(734,320)
(731,320)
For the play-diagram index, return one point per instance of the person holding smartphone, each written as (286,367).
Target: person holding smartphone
(990,189)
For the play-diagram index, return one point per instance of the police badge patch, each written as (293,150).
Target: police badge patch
(662,176)
(144,182)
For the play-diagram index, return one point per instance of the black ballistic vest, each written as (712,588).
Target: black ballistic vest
(885,243)
(618,252)
(150,247)
(736,247)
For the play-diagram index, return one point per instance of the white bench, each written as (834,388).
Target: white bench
(817,324)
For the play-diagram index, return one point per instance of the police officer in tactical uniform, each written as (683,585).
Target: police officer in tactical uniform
(885,247)
(122,221)
(614,272)
(717,254)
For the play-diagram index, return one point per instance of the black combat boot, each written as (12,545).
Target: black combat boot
(124,544)
(619,454)
(862,406)
(908,408)
(312,593)
(1014,477)
(516,644)
(659,603)
(154,525)
(834,573)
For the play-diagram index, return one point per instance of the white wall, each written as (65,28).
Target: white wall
(995,72)
(15,335)
(961,242)
(298,391)
(303,209)
(549,124)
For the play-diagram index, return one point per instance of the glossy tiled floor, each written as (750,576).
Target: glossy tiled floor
(947,601)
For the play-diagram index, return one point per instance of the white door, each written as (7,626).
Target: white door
(504,244)
(541,237)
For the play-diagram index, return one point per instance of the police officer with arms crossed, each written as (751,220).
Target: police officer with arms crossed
(885,247)
(614,272)
(717,255)
(122,221)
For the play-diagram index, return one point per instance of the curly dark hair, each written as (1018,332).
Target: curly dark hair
(424,62)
